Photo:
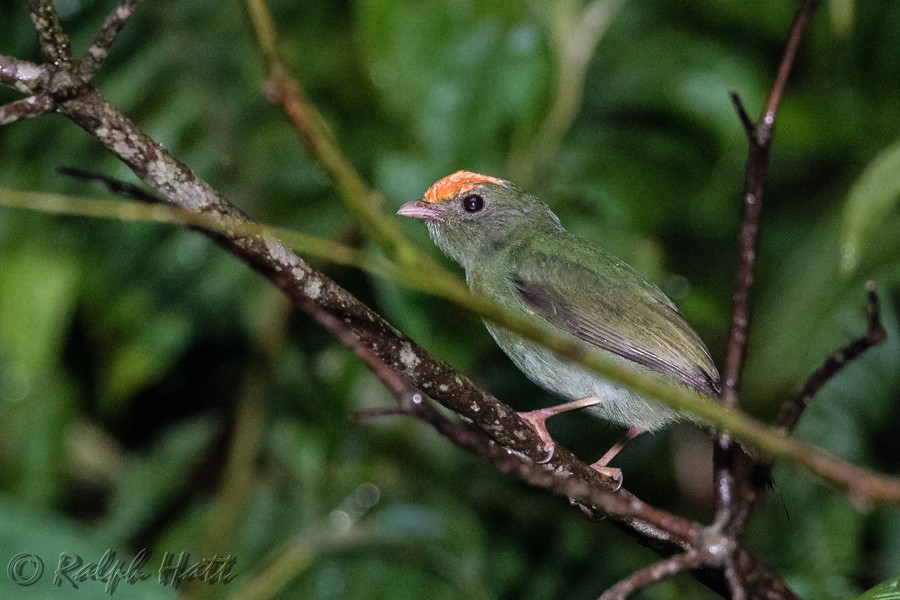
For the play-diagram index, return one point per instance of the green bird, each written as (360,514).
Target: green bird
(515,251)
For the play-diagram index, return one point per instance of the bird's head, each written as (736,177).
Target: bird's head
(470,214)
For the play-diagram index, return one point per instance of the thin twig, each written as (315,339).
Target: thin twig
(736,583)
(25,108)
(835,363)
(398,358)
(317,137)
(760,138)
(21,75)
(735,496)
(54,42)
(746,121)
(115,186)
(658,571)
(109,31)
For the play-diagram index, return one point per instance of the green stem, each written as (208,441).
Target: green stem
(742,427)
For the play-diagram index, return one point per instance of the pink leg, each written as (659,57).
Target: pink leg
(538,417)
(601,465)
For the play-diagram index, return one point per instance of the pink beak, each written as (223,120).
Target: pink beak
(417,209)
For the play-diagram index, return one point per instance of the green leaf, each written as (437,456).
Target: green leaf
(870,201)
(886,590)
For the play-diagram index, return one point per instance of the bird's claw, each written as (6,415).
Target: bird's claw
(537,419)
(550,448)
(611,472)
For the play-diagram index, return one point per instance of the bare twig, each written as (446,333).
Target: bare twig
(658,571)
(181,187)
(319,141)
(735,496)
(835,363)
(109,31)
(759,135)
(736,582)
(54,42)
(406,368)
(746,121)
(21,75)
(116,186)
(25,108)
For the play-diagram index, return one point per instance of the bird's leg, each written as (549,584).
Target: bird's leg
(538,417)
(601,465)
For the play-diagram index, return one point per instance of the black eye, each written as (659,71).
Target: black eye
(473,203)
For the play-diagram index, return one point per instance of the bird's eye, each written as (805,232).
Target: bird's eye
(473,203)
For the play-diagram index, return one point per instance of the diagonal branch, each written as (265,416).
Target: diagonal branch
(835,363)
(87,108)
(109,31)
(21,75)
(677,563)
(25,108)
(54,41)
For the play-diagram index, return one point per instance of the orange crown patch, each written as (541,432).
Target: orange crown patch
(456,184)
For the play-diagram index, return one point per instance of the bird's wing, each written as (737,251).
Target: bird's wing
(609,305)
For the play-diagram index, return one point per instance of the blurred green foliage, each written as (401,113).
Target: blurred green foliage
(154,393)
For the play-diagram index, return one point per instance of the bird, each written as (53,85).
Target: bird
(515,251)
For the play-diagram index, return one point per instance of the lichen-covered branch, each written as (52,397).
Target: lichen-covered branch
(25,108)
(85,106)
(109,31)
(405,368)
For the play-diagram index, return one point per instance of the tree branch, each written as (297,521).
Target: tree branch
(21,75)
(403,366)
(54,42)
(736,492)
(835,363)
(654,573)
(25,108)
(109,31)
(759,135)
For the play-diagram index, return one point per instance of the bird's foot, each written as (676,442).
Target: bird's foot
(611,472)
(601,466)
(538,420)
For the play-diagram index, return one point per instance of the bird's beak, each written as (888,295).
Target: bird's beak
(417,209)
